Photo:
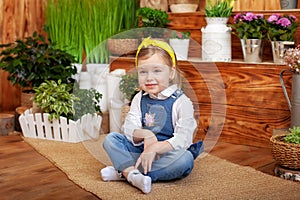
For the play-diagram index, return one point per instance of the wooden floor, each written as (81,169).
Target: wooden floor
(25,174)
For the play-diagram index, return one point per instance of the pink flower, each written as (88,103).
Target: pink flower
(250,16)
(285,22)
(237,17)
(281,27)
(273,18)
(179,35)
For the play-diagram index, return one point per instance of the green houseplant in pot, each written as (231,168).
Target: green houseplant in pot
(65,113)
(62,99)
(216,36)
(286,148)
(129,87)
(89,102)
(55,98)
(35,59)
(152,21)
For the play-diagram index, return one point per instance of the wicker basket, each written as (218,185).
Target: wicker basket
(122,46)
(286,154)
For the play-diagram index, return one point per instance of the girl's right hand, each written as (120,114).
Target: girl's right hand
(148,141)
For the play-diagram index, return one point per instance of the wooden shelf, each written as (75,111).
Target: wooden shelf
(193,22)
(250,93)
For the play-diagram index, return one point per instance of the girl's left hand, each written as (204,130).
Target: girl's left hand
(146,159)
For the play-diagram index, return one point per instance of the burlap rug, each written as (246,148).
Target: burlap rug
(211,178)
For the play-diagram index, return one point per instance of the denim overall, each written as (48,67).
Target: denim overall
(173,164)
(157,117)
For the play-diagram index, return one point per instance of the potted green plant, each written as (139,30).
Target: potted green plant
(216,36)
(179,41)
(35,59)
(89,102)
(286,148)
(219,8)
(62,99)
(66,113)
(55,98)
(152,21)
(129,87)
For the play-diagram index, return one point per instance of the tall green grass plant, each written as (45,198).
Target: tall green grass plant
(81,26)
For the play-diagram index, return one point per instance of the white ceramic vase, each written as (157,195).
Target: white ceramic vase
(216,40)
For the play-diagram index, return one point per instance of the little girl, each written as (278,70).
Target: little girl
(158,130)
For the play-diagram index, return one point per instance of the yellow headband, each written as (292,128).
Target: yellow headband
(163,45)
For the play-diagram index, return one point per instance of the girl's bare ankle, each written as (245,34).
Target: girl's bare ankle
(126,171)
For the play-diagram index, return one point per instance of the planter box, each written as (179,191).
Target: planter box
(38,126)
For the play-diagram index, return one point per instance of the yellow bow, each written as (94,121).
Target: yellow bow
(163,45)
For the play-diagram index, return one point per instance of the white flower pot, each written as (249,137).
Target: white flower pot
(216,40)
(85,80)
(181,48)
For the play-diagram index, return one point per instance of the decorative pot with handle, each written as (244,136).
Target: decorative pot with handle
(294,102)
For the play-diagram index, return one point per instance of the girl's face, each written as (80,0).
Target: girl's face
(154,74)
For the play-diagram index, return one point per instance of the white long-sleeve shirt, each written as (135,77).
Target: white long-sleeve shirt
(183,119)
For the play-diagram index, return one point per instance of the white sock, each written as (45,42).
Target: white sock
(139,180)
(109,173)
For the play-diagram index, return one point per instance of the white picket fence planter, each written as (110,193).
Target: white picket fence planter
(38,126)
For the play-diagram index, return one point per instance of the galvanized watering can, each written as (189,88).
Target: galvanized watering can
(294,103)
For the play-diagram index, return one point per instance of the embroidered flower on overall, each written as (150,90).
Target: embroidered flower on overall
(149,119)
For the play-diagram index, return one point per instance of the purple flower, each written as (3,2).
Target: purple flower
(260,16)
(293,17)
(237,17)
(285,22)
(273,18)
(249,25)
(250,16)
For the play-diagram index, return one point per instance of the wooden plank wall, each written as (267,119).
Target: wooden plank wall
(18,19)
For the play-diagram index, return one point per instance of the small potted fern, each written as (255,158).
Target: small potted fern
(286,148)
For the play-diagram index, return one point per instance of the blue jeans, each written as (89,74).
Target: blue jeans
(171,165)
